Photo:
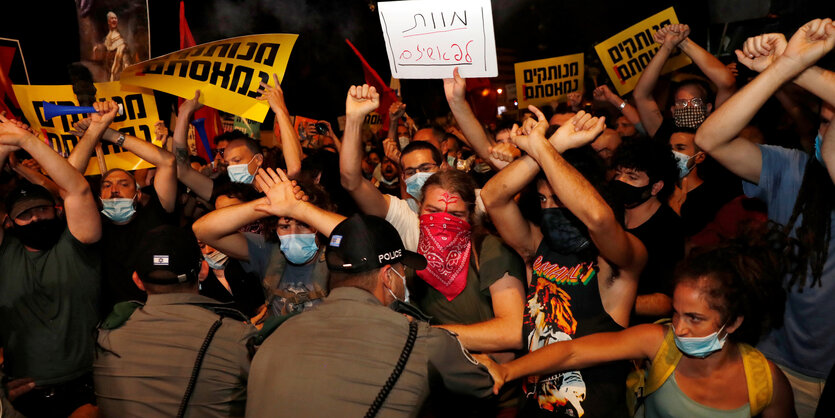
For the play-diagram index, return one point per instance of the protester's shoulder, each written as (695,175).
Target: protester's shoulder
(778,158)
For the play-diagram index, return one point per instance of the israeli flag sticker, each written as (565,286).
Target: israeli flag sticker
(336,240)
(160,260)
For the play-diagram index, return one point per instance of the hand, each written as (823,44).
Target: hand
(31,164)
(160,133)
(361,101)
(13,132)
(17,387)
(497,371)
(759,52)
(505,152)
(284,197)
(391,149)
(672,35)
(396,110)
(274,96)
(80,127)
(532,132)
(106,113)
(732,68)
(330,129)
(811,42)
(575,98)
(455,88)
(603,93)
(191,105)
(582,129)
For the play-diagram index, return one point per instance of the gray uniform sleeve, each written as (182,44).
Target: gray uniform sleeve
(459,371)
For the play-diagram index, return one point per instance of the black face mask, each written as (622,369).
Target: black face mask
(562,231)
(630,195)
(40,235)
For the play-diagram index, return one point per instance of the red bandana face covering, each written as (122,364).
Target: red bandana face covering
(445,242)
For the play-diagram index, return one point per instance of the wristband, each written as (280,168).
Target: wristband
(121,139)
(622,105)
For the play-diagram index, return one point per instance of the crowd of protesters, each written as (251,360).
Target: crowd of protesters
(660,255)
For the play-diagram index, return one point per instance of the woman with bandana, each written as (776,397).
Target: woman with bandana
(584,265)
(702,364)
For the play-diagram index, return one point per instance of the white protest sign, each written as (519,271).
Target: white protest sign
(427,38)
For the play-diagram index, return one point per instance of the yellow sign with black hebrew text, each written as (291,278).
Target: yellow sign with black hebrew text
(547,80)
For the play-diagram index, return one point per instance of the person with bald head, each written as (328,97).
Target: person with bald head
(124,216)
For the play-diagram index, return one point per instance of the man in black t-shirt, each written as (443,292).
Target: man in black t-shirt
(646,174)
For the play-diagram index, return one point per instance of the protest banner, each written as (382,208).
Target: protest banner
(228,73)
(548,80)
(625,55)
(140,114)
(427,38)
(113,35)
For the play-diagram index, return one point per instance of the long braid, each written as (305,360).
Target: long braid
(815,202)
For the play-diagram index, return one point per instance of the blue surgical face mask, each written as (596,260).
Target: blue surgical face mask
(683,160)
(415,183)
(818,145)
(118,210)
(216,260)
(405,288)
(700,347)
(239,173)
(299,248)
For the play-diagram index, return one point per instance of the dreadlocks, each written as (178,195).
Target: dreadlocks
(815,203)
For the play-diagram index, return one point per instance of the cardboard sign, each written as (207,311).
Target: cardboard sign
(228,73)
(547,80)
(427,38)
(625,55)
(138,120)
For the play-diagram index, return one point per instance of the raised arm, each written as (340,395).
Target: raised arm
(577,194)
(93,128)
(283,200)
(83,219)
(605,94)
(648,109)
(715,71)
(165,180)
(455,89)
(717,135)
(361,101)
(198,183)
(290,145)
(219,228)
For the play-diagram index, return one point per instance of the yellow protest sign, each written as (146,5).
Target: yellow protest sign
(626,54)
(140,114)
(547,80)
(227,72)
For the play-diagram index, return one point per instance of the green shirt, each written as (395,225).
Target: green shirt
(49,309)
(474,303)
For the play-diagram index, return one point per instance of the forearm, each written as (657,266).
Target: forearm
(654,304)
(475,136)
(66,177)
(221,223)
(497,334)
(649,77)
(819,82)
(35,177)
(350,159)
(290,145)
(180,138)
(81,152)
(322,220)
(715,71)
(508,182)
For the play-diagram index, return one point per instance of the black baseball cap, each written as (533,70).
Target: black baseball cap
(168,255)
(364,242)
(27,196)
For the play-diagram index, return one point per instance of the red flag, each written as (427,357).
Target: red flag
(6,90)
(387,95)
(213,124)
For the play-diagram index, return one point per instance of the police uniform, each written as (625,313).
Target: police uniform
(333,360)
(145,355)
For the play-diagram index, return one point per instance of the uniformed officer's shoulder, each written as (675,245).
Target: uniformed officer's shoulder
(443,342)
(120,314)
(224,310)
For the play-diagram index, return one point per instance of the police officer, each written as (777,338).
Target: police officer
(147,355)
(335,360)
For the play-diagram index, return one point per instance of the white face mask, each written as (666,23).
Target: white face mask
(405,289)
(239,173)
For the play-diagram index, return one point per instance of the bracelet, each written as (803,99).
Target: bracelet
(622,105)
(121,139)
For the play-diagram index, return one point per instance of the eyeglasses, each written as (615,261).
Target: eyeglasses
(423,168)
(220,151)
(695,102)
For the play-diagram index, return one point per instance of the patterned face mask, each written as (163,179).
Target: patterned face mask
(445,242)
(690,116)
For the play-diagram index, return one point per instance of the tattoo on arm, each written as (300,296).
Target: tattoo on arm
(181,154)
